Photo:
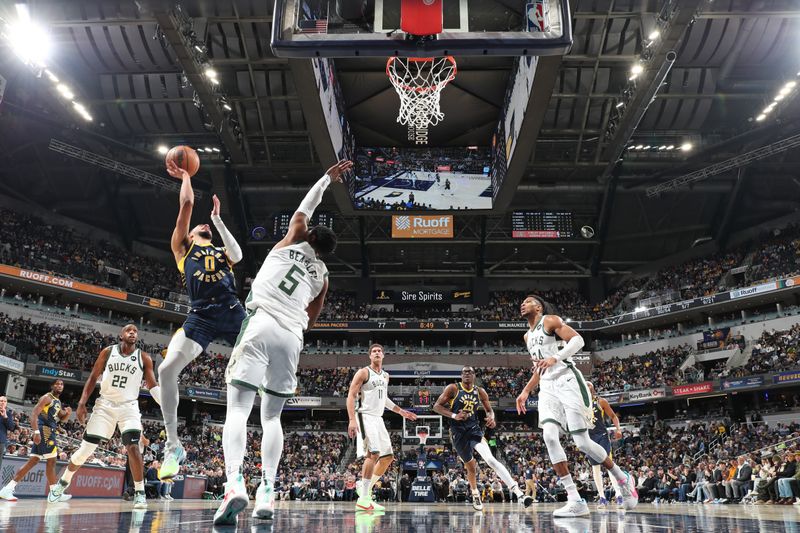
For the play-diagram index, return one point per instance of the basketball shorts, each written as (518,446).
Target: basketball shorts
(565,401)
(107,415)
(372,436)
(215,321)
(464,441)
(265,356)
(603,440)
(47,447)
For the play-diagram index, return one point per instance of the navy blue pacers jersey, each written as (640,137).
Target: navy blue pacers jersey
(599,417)
(208,275)
(466,400)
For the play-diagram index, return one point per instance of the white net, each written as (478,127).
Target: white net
(418,82)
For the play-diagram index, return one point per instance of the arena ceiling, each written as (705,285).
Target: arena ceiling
(124,61)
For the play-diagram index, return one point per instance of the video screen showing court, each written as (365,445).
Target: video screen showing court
(421,179)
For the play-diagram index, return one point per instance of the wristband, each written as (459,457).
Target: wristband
(36,432)
(452,415)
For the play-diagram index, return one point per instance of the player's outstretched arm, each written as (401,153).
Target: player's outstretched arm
(529,387)
(315,307)
(441,405)
(393,407)
(232,248)
(180,235)
(490,421)
(150,378)
(91,382)
(355,388)
(606,407)
(298,225)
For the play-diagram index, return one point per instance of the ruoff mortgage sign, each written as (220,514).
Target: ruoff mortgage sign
(422,227)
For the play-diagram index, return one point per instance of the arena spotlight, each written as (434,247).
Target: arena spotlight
(29,41)
(655,34)
(637,69)
(761,117)
(638,147)
(686,147)
(790,85)
(65,91)
(785,90)
(779,97)
(52,77)
(662,147)
(162,149)
(671,147)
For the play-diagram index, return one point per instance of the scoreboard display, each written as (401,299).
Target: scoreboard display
(280,222)
(542,225)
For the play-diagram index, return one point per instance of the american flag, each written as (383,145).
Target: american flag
(313,26)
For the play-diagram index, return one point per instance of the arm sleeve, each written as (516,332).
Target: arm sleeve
(155,392)
(232,248)
(314,196)
(389,404)
(573,346)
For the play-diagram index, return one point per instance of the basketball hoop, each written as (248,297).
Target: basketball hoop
(422,434)
(418,82)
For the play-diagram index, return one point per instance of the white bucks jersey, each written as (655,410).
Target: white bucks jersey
(122,377)
(289,280)
(372,398)
(542,345)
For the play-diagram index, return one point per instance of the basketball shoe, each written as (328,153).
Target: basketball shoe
(234,502)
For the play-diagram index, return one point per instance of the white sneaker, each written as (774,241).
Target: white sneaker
(477,504)
(57,494)
(7,493)
(572,509)
(630,496)
(234,502)
(139,501)
(265,505)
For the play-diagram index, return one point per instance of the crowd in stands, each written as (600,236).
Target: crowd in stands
(28,241)
(774,351)
(654,369)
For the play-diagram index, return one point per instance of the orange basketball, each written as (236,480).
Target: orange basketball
(185,158)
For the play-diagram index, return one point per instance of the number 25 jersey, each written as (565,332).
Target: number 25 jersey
(290,279)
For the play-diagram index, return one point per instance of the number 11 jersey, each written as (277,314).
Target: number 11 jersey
(290,279)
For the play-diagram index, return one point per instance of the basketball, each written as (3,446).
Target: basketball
(185,158)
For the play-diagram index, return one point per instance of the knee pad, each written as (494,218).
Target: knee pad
(180,352)
(82,454)
(271,406)
(131,437)
(589,447)
(553,442)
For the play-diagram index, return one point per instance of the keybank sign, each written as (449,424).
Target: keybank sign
(422,227)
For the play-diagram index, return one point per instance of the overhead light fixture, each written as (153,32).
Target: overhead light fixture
(647,147)
(79,107)
(620,104)
(210,72)
(639,146)
(208,149)
(216,149)
(671,147)
(790,85)
(227,107)
(655,34)
(65,91)
(199,48)
(29,41)
(662,147)
(785,90)
(52,77)
(162,149)
(637,69)
(761,117)
(779,97)
(686,147)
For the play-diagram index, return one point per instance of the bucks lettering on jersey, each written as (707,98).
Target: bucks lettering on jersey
(207,274)
(290,278)
(466,400)
(372,398)
(543,345)
(122,377)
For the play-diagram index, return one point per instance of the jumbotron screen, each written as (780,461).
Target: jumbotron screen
(542,225)
(280,222)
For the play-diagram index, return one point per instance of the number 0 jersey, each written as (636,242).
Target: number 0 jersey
(290,278)
(372,398)
(208,275)
(122,377)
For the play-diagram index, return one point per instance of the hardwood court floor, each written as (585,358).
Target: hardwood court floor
(98,515)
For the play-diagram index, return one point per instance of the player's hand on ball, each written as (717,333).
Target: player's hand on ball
(215,209)
(81,413)
(336,171)
(544,364)
(37,439)
(175,171)
(352,429)
(521,401)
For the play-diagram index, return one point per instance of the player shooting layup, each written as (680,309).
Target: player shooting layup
(287,297)
(121,369)
(366,401)
(459,402)
(207,272)
(564,402)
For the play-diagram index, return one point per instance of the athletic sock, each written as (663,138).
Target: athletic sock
(569,485)
(234,433)
(515,490)
(66,477)
(11,484)
(597,474)
(138,486)
(617,472)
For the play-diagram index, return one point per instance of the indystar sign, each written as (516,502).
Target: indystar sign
(422,227)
